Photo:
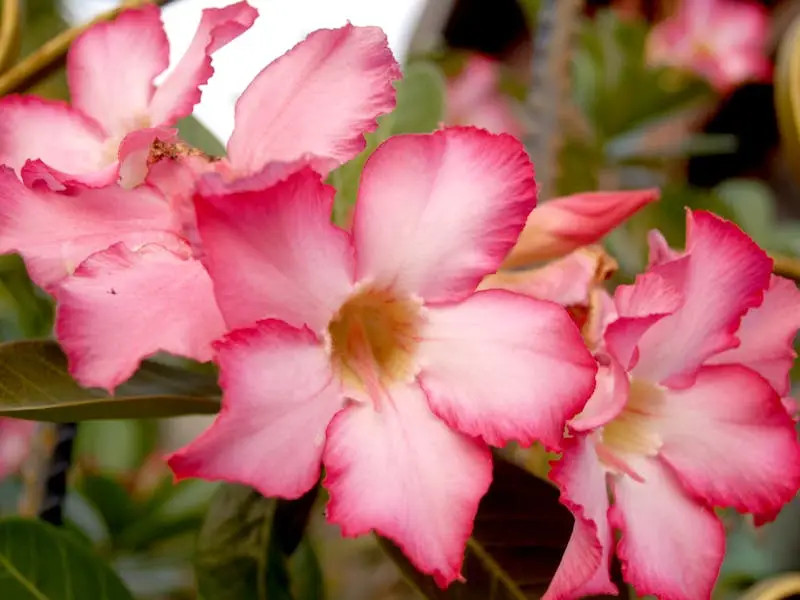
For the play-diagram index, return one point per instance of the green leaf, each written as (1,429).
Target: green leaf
(39,562)
(521,531)
(420,108)
(193,132)
(35,385)
(420,99)
(245,544)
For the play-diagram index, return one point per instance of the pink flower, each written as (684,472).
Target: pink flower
(15,439)
(723,41)
(110,70)
(123,264)
(686,416)
(562,225)
(474,98)
(372,353)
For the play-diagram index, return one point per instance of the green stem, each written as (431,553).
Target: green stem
(53,53)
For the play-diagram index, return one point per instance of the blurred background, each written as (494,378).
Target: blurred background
(599,104)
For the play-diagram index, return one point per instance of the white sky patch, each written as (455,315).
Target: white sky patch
(280,25)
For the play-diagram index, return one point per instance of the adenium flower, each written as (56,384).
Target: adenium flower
(686,416)
(474,97)
(123,263)
(372,353)
(561,225)
(110,71)
(15,440)
(723,41)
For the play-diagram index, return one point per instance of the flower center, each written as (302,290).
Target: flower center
(374,337)
(632,432)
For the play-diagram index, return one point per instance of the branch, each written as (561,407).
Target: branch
(9,33)
(52,55)
(786,266)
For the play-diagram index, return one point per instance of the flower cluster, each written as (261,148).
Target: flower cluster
(394,353)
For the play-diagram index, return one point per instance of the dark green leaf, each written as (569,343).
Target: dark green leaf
(198,136)
(306,573)
(39,562)
(111,499)
(245,544)
(520,534)
(35,384)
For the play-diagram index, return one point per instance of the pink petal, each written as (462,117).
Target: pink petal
(475,98)
(504,367)
(122,306)
(767,334)
(560,226)
(134,153)
(640,307)
(726,275)
(274,253)
(279,397)
(15,441)
(660,251)
(319,98)
(34,128)
(177,95)
(55,232)
(111,68)
(436,213)
(608,399)
(381,476)
(584,568)
(730,440)
(566,281)
(671,546)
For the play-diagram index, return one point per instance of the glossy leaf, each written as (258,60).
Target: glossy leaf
(246,542)
(520,534)
(39,562)
(35,384)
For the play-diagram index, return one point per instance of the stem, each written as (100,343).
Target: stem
(786,266)
(52,55)
(55,484)
(9,33)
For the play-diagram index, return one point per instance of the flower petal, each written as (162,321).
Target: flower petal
(319,98)
(560,226)
(584,568)
(274,253)
(436,213)
(380,476)
(111,68)
(659,250)
(122,306)
(566,281)
(279,397)
(134,153)
(725,276)
(503,367)
(767,334)
(671,546)
(33,128)
(177,95)
(731,441)
(15,441)
(640,306)
(55,232)
(608,399)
